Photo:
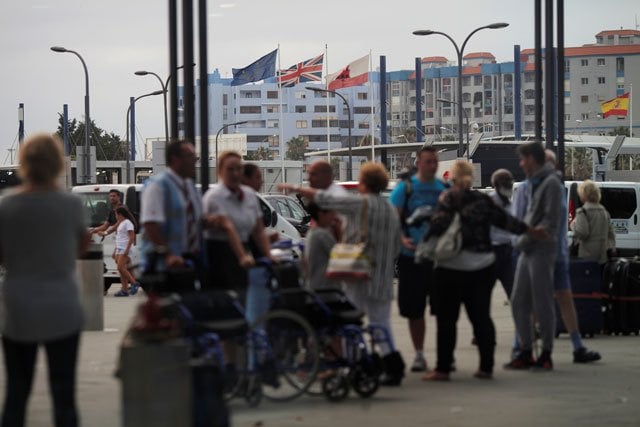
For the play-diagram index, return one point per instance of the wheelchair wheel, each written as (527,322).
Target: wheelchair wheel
(289,364)
(253,395)
(364,383)
(335,388)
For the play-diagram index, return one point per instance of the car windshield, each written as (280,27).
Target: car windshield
(96,207)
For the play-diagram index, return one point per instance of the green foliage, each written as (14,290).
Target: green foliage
(335,166)
(620,130)
(578,164)
(366,140)
(109,146)
(296,148)
(262,153)
(410,134)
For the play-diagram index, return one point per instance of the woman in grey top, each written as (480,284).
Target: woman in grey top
(592,225)
(42,304)
(383,247)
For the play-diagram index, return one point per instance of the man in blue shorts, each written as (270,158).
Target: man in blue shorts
(419,190)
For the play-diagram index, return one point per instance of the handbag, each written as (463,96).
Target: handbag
(443,247)
(349,261)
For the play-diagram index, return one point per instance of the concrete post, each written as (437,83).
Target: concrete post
(90,270)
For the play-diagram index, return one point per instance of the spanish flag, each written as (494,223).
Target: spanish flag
(616,107)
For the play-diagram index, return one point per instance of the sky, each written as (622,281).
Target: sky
(118,37)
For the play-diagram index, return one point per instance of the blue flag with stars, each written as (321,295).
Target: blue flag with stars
(261,69)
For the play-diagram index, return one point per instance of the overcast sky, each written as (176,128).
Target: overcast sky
(118,37)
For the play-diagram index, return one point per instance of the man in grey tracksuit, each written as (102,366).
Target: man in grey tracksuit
(533,288)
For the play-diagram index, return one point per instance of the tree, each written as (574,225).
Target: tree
(366,140)
(410,134)
(578,163)
(335,167)
(109,146)
(262,153)
(620,130)
(296,147)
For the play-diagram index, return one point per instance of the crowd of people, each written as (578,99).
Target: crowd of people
(519,239)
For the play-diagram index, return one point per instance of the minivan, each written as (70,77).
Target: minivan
(96,204)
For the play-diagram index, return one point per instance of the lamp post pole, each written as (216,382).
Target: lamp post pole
(165,89)
(218,134)
(447,101)
(132,102)
(460,53)
(87,118)
(350,164)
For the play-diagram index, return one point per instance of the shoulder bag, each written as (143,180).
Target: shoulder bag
(349,261)
(443,247)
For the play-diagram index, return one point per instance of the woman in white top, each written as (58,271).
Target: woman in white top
(125,238)
(241,206)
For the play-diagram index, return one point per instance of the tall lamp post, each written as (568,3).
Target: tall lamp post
(350,164)
(128,156)
(218,134)
(87,118)
(448,101)
(460,52)
(165,88)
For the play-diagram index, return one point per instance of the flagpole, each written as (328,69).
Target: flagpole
(326,73)
(372,123)
(630,110)
(281,124)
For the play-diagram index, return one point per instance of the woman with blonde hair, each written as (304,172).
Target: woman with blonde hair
(592,225)
(383,246)
(468,277)
(42,305)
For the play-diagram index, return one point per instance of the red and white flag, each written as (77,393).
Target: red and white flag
(354,74)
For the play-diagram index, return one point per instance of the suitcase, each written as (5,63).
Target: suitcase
(623,309)
(586,286)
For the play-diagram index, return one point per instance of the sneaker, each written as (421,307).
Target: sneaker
(523,360)
(133,289)
(582,355)
(419,364)
(544,363)
(121,293)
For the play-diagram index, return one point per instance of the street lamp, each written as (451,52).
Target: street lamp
(128,154)
(350,165)
(87,119)
(448,101)
(218,134)
(165,89)
(460,52)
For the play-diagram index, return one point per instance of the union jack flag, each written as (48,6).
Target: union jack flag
(306,71)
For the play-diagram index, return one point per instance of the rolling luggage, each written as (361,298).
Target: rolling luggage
(622,312)
(586,285)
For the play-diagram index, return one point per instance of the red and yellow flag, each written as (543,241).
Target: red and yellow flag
(616,107)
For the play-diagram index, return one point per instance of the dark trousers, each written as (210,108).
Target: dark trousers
(19,361)
(505,267)
(473,289)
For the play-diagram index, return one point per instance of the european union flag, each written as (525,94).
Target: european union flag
(263,68)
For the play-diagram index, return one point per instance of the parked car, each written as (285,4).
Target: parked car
(291,210)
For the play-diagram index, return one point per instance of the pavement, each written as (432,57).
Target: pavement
(605,393)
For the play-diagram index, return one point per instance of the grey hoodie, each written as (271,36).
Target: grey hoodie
(545,189)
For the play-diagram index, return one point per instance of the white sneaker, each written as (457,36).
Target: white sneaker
(419,364)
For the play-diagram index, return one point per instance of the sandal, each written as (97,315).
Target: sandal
(435,376)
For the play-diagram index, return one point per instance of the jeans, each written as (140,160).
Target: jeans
(473,289)
(19,361)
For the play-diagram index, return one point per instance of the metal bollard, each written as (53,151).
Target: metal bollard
(90,270)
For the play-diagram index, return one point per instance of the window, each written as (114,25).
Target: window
(529,77)
(466,80)
(567,117)
(272,123)
(323,123)
(272,94)
(477,80)
(584,80)
(601,61)
(620,65)
(362,96)
(296,210)
(363,125)
(584,62)
(529,110)
(601,80)
(362,110)
(249,109)
(250,94)
(584,99)
(301,108)
(529,94)
(301,124)
(466,97)
(272,108)
(585,116)
(323,109)
(301,94)
(620,202)
(225,99)
(567,66)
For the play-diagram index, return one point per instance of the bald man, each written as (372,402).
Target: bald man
(321,177)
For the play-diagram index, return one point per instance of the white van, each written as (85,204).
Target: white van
(621,200)
(97,207)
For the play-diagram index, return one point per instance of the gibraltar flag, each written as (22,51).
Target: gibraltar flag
(354,74)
